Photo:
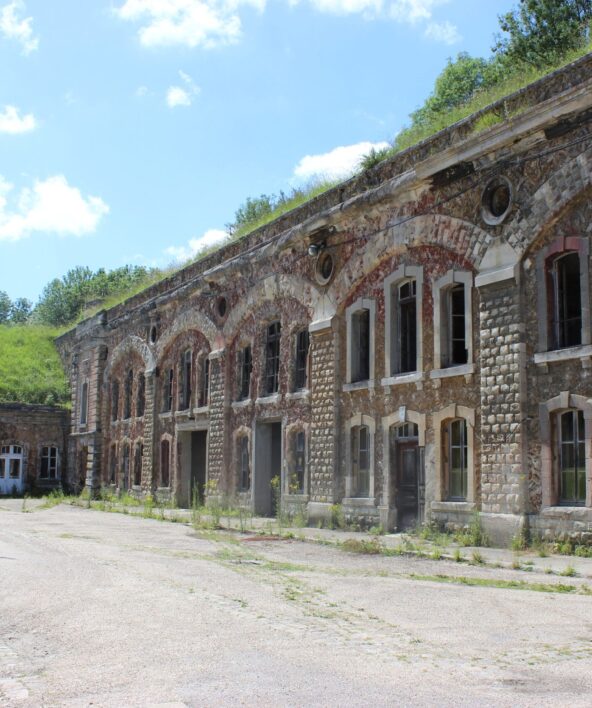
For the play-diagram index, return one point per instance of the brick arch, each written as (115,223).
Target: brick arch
(549,201)
(283,286)
(190,320)
(130,344)
(462,237)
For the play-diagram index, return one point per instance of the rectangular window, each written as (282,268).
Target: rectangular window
(360,461)
(572,462)
(456,350)
(113,465)
(204,394)
(245,366)
(272,358)
(126,466)
(164,463)
(299,463)
(360,346)
(567,304)
(138,454)
(114,400)
(458,459)
(244,471)
(2,468)
(14,468)
(168,391)
(407,326)
(141,396)
(185,402)
(84,404)
(301,373)
(49,463)
(127,402)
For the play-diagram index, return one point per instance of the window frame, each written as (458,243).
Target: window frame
(245,370)
(84,403)
(352,313)
(392,354)
(271,379)
(56,463)
(244,463)
(301,359)
(186,378)
(352,486)
(442,289)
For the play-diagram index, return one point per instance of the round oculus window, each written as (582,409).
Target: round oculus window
(496,201)
(324,267)
(153,334)
(222,306)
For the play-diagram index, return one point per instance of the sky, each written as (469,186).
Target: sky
(132,130)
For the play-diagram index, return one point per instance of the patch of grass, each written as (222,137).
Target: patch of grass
(477,558)
(496,583)
(370,546)
(54,498)
(568,572)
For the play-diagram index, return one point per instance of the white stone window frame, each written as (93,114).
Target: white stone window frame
(562,245)
(549,473)
(355,422)
(359,305)
(454,412)
(402,273)
(441,289)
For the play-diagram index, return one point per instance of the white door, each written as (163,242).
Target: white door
(11,469)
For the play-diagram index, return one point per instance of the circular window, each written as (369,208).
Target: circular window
(222,306)
(324,268)
(496,201)
(153,334)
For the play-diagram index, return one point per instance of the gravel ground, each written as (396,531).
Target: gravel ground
(110,610)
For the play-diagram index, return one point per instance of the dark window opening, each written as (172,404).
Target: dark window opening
(456,350)
(84,404)
(272,358)
(301,373)
(407,327)
(185,401)
(141,395)
(297,481)
(138,454)
(572,458)
(360,346)
(566,316)
(244,470)
(127,403)
(204,392)
(114,400)
(245,365)
(360,461)
(164,463)
(126,466)
(113,465)
(49,463)
(167,403)
(457,454)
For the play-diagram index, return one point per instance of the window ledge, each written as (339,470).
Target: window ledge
(358,385)
(201,410)
(183,415)
(398,379)
(583,513)
(453,506)
(168,415)
(298,395)
(448,372)
(295,497)
(245,403)
(580,352)
(268,400)
(359,501)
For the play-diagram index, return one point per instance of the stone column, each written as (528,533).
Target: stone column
(503,399)
(217,478)
(324,428)
(151,450)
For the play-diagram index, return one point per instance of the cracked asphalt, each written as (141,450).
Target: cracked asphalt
(101,609)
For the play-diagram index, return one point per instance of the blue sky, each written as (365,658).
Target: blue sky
(131,130)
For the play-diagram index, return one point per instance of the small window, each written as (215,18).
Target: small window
(84,404)
(127,401)
(455,347)
(186,368)
(141,395)
(457,458)
(244,469)
(113,465)
(566,314)
(272,358)
(114,400)
(204,392)
(406,431)
(407,326)
(49,463)
(14,467)
(572,458)
(245,367)
(297,480)
(360,461)
(301,372)
(167,392)
(138,454)
(165,463)
(360,346)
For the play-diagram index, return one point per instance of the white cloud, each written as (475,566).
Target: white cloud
(51,205)
(11,122)
(369,8)
(413,11)
(14,26)
(182,95)
(338,163)
(443,32)
(141,91)
(212,237)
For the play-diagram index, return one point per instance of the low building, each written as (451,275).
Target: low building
(414,344)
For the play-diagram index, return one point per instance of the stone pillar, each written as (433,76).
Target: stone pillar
(503,399)
(324,429)
(151,450)
(216,484)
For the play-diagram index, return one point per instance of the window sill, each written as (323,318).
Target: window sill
(268,400)
(358,385)
(238,405)
(583,513)
(166,416)
(295,497)
(201,410)
(359,501)
(579,352)
(399,379)
(450,371)
(448,506)
(298,395)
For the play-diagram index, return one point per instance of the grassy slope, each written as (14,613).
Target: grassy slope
(30,367)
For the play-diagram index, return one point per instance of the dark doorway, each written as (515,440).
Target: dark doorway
(199,446)
(405,455)
(268,464)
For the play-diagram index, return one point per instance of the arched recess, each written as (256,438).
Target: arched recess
(403,415)
(286,286)
(190,320)
(130,344)
(462,237)
(451,412)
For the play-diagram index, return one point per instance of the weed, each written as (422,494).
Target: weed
(496,583)
(473,534)
(569,571)
(371,546)
(458,557)
(436,554)
(337,520)
(477,558)
(516,564)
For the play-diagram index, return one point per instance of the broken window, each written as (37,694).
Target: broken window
(301,369)
(360,460)
(272,358)
(165,452)
(127,401)
(572,458)
(566,305)
(244,469)
(360,345)
(245,367)
(49,463)
(186,368)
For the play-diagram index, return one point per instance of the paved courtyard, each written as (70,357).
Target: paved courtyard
(110,610)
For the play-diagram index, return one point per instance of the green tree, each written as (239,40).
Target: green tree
(252,210)
(20,310)
(541,32)
(5,307)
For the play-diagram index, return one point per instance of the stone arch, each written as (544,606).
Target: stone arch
(130,344)
(462,237)
(189,320)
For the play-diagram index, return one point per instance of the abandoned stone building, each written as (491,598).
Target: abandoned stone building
(414,344)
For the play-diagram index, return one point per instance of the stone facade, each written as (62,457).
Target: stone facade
(448,362)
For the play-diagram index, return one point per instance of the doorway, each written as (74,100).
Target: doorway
(193,467)
(268,465)
(11,469)
(406,457)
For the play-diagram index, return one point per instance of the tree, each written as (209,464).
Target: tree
(5,307)
(252,210)
(540,32)
(20,310)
